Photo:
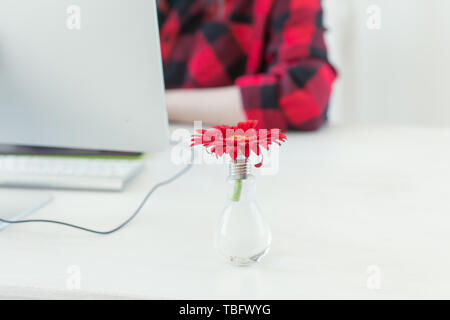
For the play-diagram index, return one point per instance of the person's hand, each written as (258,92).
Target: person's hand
(212,106)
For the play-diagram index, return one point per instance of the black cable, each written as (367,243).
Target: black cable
(136,212)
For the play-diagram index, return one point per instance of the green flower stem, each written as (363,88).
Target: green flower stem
(236,196)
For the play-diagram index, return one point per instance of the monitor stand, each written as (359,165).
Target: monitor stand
(17,204)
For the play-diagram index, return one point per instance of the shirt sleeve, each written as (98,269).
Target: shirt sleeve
(294,88)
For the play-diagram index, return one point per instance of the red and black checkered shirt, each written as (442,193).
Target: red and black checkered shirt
(274,50)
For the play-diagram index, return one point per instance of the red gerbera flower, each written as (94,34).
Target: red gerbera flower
(238,140)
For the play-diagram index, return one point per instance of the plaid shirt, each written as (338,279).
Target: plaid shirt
(274,50)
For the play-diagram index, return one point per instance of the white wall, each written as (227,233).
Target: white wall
(397,74)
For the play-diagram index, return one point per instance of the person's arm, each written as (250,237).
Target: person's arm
(213,106)
(294,90)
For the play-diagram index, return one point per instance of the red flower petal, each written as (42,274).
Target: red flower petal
(241,139)
(251,124)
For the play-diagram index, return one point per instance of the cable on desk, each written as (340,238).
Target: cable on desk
(136,212)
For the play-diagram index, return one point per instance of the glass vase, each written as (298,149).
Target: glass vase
(243,236)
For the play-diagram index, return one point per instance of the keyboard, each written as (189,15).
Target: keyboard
(67,173)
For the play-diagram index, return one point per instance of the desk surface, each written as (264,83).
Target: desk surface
(356,212)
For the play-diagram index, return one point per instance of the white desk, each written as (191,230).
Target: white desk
(346,198)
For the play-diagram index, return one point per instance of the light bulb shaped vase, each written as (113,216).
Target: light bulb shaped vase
(243,236)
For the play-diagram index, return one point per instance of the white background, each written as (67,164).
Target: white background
(399,74)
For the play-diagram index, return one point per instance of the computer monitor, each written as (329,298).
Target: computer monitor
(79,74)
(82,74)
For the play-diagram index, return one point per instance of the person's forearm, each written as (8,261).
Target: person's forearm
(213,106)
